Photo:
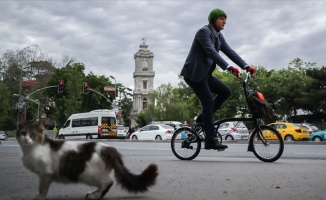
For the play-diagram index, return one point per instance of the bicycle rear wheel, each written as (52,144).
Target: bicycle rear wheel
(267,144)
(185,144)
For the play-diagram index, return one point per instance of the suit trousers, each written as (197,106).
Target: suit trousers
(204,90)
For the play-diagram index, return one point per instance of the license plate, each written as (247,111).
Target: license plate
(105,130)
(244,137)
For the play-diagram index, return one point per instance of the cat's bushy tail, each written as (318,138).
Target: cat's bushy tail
(129,181)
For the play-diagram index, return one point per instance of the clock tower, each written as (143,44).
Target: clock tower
(143,80)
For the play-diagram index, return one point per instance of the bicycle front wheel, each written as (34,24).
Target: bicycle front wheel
(267,144)
(185,144)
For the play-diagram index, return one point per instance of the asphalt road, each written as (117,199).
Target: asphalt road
(233,174)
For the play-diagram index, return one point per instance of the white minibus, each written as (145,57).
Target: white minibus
(95,124)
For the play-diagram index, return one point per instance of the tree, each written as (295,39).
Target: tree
(125,103)
(73,99)
(29,64)
(315,98)
(290,83)
(96,83)
(8,114)
(169,104)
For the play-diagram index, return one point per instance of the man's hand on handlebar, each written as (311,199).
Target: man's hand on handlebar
(251,70)
(234,71)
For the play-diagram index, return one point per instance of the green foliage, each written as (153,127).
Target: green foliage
(142,119)
(169,104)
(8,114)
(315,98)
(73,100)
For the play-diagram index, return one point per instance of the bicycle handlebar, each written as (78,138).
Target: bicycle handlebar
(248,76)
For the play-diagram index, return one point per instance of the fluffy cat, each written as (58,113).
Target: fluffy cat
(77,162)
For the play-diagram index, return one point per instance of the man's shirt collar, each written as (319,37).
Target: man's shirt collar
(214,31)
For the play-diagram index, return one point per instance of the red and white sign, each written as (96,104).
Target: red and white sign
(109,89)
(29,83)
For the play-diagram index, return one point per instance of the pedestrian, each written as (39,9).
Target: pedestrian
(55,132)
(130,131)
(198,69)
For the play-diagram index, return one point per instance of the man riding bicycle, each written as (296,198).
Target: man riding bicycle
(198,69)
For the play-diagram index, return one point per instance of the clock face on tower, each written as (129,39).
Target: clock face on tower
(144,64)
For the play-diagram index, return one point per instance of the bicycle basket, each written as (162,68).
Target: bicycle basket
(258,105)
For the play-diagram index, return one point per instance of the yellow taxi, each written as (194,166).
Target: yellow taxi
(290,131)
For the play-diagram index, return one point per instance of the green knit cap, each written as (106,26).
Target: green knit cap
(214,14)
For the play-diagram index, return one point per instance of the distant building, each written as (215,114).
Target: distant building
(143,80)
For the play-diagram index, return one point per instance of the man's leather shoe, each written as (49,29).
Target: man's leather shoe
(214,144)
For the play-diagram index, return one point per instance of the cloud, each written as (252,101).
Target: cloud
(105,35)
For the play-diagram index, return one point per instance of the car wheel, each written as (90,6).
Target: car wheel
(229,137)
(316,139)
(288,138)
(158,137)
(134,137)
(61,137)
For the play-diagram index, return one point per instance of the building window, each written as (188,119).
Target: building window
(144,103)
(145,85)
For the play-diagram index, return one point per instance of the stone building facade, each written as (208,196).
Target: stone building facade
(143,80)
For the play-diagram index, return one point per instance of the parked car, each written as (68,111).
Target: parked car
(311,128)
(3,135)
(290,131)
(318,136)
(153,132)
(122,131)
(233,131)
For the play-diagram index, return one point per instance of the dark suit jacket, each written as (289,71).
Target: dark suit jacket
(203,55)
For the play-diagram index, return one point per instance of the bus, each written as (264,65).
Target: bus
(99,124)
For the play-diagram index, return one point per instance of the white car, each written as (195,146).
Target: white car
(311,128)
(233,131)
(3,135)
(153,132)
(122,131)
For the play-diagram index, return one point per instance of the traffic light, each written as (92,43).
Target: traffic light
(20,111)
(85,88)
(61,85)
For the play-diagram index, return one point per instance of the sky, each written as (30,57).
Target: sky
(104,35)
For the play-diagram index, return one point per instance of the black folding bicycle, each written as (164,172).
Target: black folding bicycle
(265,142)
